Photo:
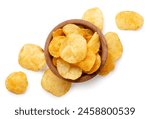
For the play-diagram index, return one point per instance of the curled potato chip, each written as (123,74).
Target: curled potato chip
(96,65)
(17,82)
(94,43)
(55,45)
(88,61)
(87,33)
(129,20)
(72,28)
(68,71)
(54,61)
(115,47)
(32,57)
(56,86)
(58,32)
(109,65)
(74,49)
(95,16)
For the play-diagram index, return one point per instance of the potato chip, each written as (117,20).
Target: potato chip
(94,43)
(56,86)
(17,82)
(68,71)
(58,32)
(129,20)
(87,34)
(72,28)
(54,61)
(74,49)
(109,65)
(32,57)
(96,65)
(88,62)
(115,47)
(95,16)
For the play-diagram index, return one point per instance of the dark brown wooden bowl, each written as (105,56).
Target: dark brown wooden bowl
(102,51)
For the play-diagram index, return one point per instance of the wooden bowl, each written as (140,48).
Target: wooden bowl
(102,51)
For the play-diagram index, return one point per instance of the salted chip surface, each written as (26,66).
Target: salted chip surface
(58,32)
(88,62)
(32,57)
(109,65)
(71,28)
(96,65)
(74,49)
(114,45)
(17,82)
(56,86)
(68,71)
(95,16)
(87,33)
(94,43)
(55,45)
(129,20)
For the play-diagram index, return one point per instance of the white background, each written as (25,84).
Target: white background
(30,21)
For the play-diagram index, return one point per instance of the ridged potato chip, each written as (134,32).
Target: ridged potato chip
(74,49)
(17,82)
(114,44)
(56,86)
(96,65)
(32,57)
(55,45)
(87,33)
(95,16)
(68,71)
(94,43)
(129,20)
(58,32)
(88,62)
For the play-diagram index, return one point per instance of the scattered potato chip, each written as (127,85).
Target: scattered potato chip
(115,47)
(88,62)
(87,34)
(94,43)
(96,65)
(17,82)
(95,16)
(67,70)
(72,28)
(55,45)
(54,61)
(109,65)
(129,20)
(32,57)
(74,49)
(56,86)
(58,32)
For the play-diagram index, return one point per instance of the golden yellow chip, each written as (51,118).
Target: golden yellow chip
(87,34)
(94,43)
(56,86)
(58,32)
(68,71)
(72,28)
(17,82)
(88,62)
(54,61)
(109,65)
(55,45)
(95,16)
(32,57)
(74,49)
(96,65)
(129,20)
(115,47)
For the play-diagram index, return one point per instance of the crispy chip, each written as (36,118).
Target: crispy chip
(55,45)
(87,33)
(115,47)
(109,65)
(129,20)
(58,32)
(88,62)
(74,49)
(68,71)
(32,57)
(17,82)
(96,65)
(95,16)
(94,43)
(54,85)
(54,61)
